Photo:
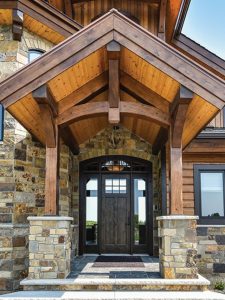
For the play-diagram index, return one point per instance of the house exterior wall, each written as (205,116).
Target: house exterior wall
(22,171)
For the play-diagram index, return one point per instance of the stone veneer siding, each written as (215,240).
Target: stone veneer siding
(22,171)
(117,142)
(211,251)
(49,247)
(178,247)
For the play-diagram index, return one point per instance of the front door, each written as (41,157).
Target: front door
(116,211)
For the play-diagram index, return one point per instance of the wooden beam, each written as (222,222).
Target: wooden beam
(162,20)
(48,111)
(140,91)
(113,50)
(83,111)
(94,109)
(84,93)
(69,139)
(48,124)
(52,178)
(43,95)
(17,24)
(113,26)
(178,111)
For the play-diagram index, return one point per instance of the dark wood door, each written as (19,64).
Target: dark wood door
(115,212)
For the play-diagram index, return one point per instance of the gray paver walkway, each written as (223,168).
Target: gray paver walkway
(82,267)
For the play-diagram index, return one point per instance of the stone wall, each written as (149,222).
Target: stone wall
(22,171)
(211,251)
(178,247)
(117,141)
(49,247)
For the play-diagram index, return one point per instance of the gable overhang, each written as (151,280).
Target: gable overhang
(45,14)
(209,90)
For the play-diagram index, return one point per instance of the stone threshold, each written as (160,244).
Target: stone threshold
(109,284)
(122,295)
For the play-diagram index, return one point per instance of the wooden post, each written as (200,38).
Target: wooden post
(48,111)
(113,49)
(51,178)
(178,110)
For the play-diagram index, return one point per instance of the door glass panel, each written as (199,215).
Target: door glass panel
(91,211)
(116,186)
(139,211)
(212,194)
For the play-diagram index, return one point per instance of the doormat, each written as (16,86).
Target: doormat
(118,262)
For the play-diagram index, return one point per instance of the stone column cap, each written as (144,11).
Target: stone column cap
(177,217)
(50,218)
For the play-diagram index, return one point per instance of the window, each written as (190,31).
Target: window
(33,54)
(139,211)
(115,186)
(91,211)
(209,193)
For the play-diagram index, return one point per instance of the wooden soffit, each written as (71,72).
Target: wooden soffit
(145,61)
(40,18)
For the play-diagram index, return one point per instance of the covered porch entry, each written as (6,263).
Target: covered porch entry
(113,72)
(116,205)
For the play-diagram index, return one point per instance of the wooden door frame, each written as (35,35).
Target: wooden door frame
(84,175)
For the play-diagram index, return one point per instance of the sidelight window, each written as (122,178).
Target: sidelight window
(139,211)
(91,211)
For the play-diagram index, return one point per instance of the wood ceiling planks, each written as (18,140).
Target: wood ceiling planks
(142,128)
(5,16)
(42,30)
(148,75)
(84,130)
(199,112)
(76,76)
(27,112)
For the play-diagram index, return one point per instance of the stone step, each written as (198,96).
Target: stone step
(117,284)
(121,295)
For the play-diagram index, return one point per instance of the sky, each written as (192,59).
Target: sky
(205,24)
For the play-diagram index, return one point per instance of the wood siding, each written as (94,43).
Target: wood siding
(84,12)
(188,179)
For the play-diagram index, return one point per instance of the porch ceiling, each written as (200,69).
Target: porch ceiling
(76,72)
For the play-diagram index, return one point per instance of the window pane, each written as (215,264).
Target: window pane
(33,54)
(139,211)
(212,194)
(91,211)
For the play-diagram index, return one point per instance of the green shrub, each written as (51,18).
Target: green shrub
(219,285)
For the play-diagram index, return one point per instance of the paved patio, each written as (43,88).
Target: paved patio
(82,267)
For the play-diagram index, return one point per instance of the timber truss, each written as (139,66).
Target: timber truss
(37,88)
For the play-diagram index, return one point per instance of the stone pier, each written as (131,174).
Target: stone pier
(49,247)
(178,246)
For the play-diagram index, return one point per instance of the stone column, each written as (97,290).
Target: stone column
(178,246)
(49,247)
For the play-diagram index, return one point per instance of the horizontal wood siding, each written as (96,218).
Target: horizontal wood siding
(188,180)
